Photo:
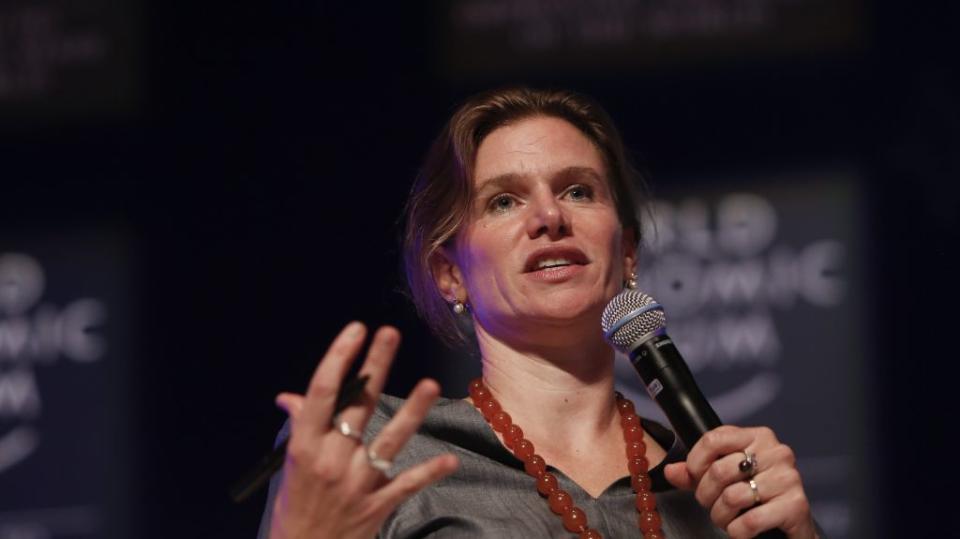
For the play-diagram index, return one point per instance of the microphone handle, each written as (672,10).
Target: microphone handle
(669,382)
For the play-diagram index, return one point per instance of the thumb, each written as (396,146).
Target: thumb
(679,476)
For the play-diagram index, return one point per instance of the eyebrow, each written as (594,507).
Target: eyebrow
(505,180)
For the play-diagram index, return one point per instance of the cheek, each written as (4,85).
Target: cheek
(479,265)
(487,266)
(615,249)
(611,235)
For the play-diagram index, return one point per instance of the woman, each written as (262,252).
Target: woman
(523,222)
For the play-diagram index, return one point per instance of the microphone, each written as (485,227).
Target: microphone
(635,324)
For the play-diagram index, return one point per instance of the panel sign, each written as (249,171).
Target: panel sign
(490,36)
(64,352)
(761,283)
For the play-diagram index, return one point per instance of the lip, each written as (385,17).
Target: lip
(574,255)
(556,274)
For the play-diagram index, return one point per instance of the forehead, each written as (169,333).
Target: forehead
(537,146)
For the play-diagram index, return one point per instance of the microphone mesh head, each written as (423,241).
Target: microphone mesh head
(637,328)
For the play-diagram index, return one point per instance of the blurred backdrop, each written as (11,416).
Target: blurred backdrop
(195,197)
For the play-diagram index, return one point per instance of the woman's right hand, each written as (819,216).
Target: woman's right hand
(329,487)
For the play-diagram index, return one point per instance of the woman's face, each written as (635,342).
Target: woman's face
(544,244)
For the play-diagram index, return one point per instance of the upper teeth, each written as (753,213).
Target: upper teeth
(550,262)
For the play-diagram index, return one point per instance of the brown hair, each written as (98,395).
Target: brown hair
(442,194)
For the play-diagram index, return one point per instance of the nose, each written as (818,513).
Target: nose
(547,216)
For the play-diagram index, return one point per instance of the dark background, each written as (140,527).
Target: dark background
(256,156)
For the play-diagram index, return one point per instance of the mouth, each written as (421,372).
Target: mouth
(550,258)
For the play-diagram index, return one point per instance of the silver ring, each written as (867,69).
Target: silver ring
(379,464)
(749,464)
(756,492)
(345,429)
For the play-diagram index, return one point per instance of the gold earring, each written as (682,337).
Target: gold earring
(632,281)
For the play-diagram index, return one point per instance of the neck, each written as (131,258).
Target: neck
(559,394)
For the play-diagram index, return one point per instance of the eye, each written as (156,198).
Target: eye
(580,192)
(501,203)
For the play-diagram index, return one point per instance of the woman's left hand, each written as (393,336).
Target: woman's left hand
(713,469)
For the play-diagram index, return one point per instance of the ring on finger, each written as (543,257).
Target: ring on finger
(749,464)
(376,462)
(756,492)
(345,429)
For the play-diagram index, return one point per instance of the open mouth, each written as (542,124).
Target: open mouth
(552,263)
(546,259)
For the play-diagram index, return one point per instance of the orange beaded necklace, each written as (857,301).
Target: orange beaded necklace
(574,519)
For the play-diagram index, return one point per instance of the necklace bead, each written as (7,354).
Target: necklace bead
(575,520)
(630,420)
(501,421)
(511,436)
(560,501)
(633,433)
(478,392)
(640,482)
(523,449)
(535,466)
(636,449)
(646,501)
(547,484)
(637,465)
(649,521)
(489,408)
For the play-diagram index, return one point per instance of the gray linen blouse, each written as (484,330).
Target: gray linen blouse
(491,496)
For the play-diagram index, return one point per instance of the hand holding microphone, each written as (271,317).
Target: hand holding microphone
(745,477)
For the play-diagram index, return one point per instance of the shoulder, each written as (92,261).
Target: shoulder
(388,405)
(445,418)
(450,425)
(445,415)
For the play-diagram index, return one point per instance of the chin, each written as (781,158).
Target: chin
(573,310)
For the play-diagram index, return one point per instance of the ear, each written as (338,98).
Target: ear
(447,275)
(629,247)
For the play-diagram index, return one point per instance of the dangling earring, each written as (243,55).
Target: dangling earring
(459,307)
(632,281)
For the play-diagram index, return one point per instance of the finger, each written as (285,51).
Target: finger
(678,476)
(789,513)
(724,472)
(739,496)
(735,499)
(723,441)
(380,356)
(414,480)
(405,422)
(291,403)
(325,383)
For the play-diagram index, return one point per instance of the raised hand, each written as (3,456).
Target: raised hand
(333,485)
